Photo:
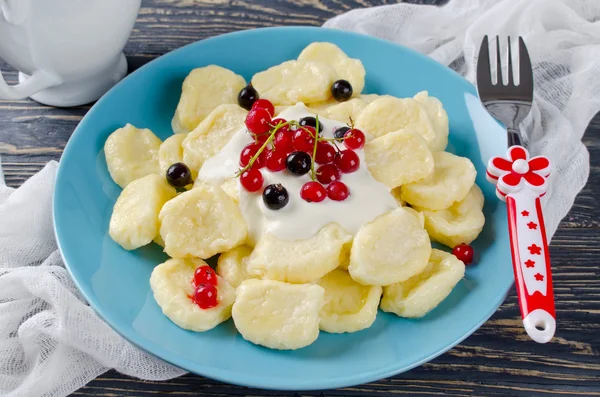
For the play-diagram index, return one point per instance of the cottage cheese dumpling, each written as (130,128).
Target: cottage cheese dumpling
(421,293)
(346,68)
(398,158)
(212,134)
(131,153)
(460,223)
(201,222)
(134,221)
(172,285)
(451,180)
(387,114)
(203,90)
(231,265)
(439,120)
(295,81)
(170,152)
(299,261)
(349,306)
(278,315)
(391,248)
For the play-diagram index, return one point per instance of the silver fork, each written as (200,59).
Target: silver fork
(520,181)
(509,103)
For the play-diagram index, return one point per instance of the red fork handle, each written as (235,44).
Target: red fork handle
(531,264)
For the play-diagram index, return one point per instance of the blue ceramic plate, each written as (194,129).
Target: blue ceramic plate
(116,282)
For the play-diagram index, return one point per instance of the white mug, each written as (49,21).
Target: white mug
(67,52)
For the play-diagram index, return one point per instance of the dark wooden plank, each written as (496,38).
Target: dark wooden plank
(496,361)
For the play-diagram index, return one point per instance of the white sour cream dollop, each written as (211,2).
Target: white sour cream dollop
(300,219)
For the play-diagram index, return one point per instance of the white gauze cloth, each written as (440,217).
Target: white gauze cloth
(563,39)
(52,343)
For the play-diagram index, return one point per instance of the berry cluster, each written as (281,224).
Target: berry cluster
(299,148)
(205,291)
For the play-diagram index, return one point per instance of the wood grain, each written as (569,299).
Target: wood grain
(497,360)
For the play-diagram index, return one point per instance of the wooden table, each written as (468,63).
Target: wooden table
(497,360)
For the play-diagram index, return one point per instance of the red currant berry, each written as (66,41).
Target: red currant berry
(278,121)
(283,141)
(463,252)
(304,140)
(252,179)
(325,153)
(337,191)
(205,275)
(313,192)
(354,139)
(328,173)
(264,104)
(250,151)
(261,138)
(258,121)
(205,296)
(347,161)
(275,160)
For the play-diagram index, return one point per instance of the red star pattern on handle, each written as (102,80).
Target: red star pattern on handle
(532,225)
(534,249)
(539,277)
(525,213)
(529,263)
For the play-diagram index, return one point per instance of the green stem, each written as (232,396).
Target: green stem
(262,148)
(312,162)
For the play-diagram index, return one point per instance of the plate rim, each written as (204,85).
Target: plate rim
(229,376)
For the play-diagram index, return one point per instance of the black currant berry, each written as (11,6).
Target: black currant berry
(179,175)
(340,132)
(275,196)
(298,163)
(310,121)
(247,96)
(341,90)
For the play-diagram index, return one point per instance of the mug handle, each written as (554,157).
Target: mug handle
(15,12)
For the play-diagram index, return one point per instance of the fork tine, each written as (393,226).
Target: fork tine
(525,70)
(484,78)
(511,79)
(498,63)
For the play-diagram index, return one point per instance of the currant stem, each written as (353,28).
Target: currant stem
(262,148)
(313,175)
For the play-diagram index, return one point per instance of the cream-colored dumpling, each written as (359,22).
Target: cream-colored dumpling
(299,261)
(460,223)
(323,106)
(450,182)
(349,306)
(368,98)
(391,248)
(418,214)
(346,68)
(439,120)
(203,90)
(396,194)
(418,295)
(231,265)
(346,112)
(172,285)
(278,315)
(134,221)
(295,81)
(131,153)
(212,134)
(201,222)
(387,114)
(232,188)
(399,157)
(170,152)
